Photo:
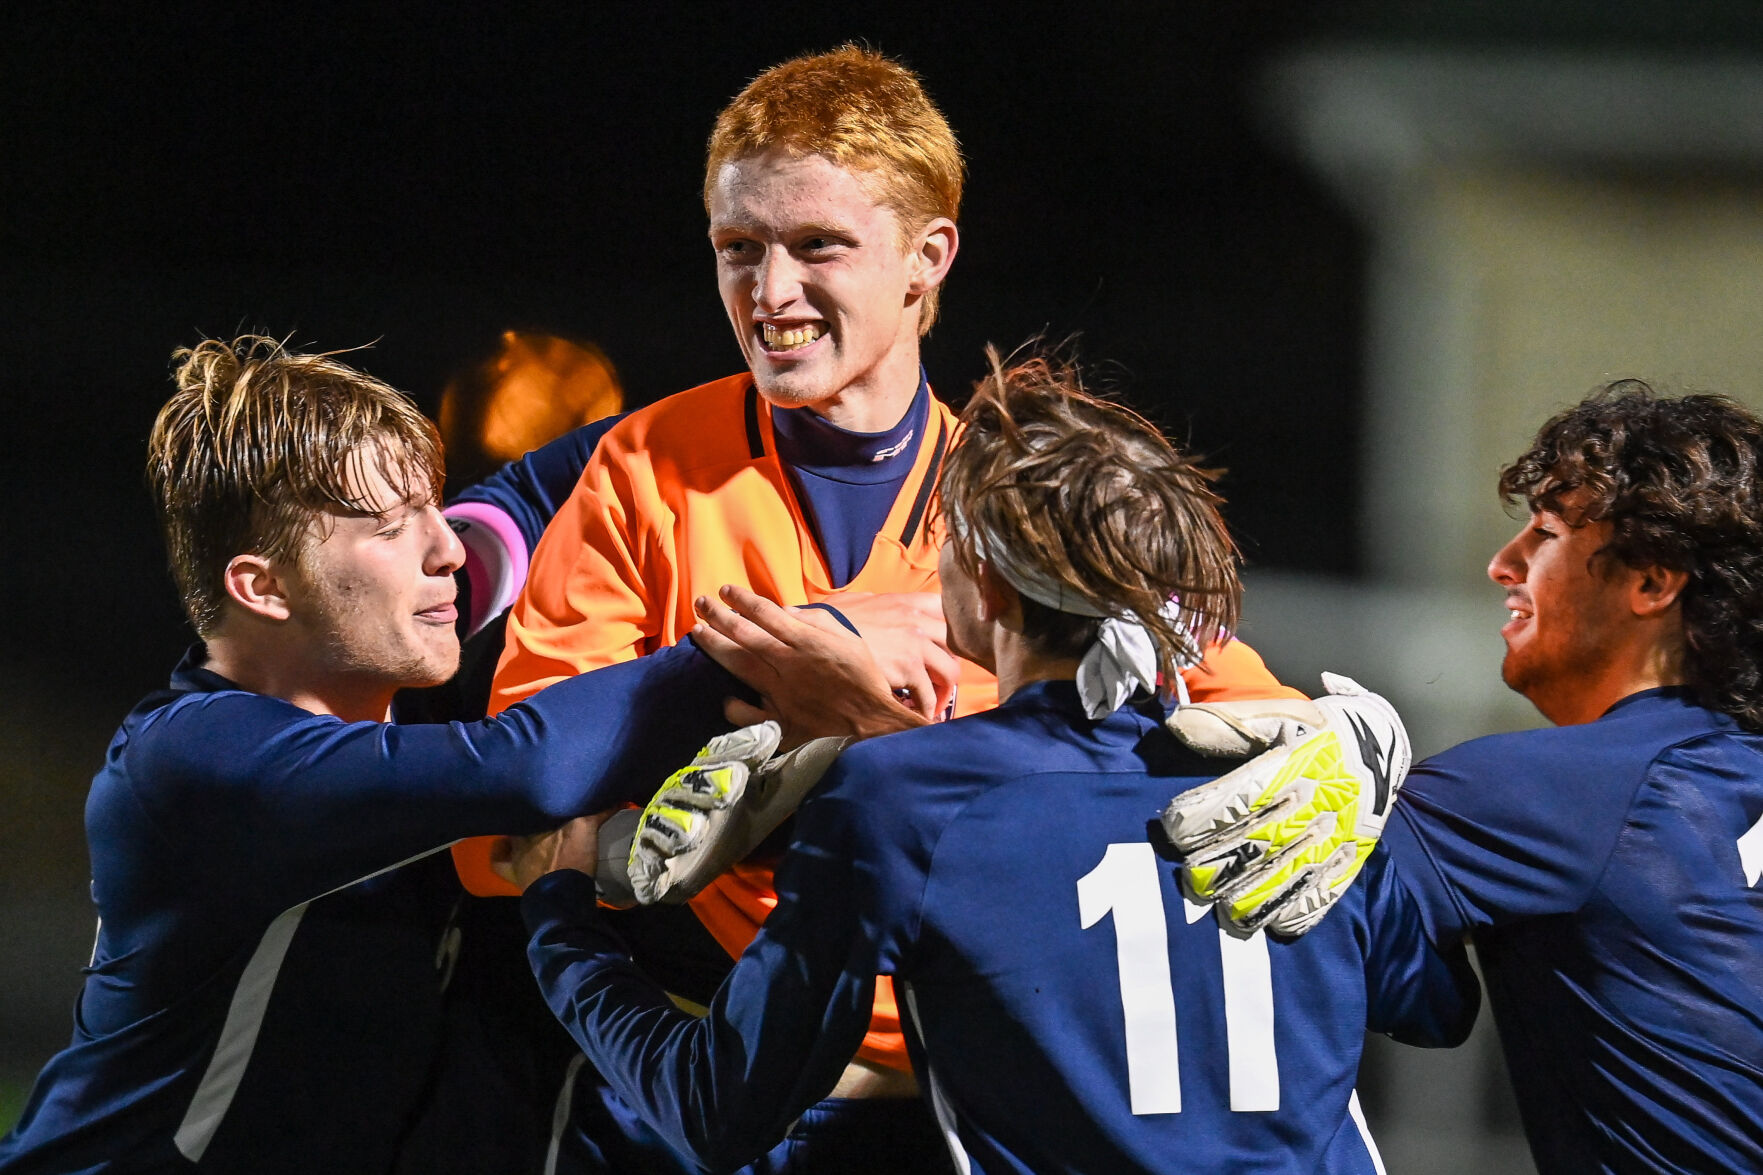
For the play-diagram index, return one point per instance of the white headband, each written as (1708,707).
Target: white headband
(1122,659)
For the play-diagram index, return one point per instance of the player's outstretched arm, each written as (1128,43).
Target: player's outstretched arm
(304,803)
(1275,842)
(815,680)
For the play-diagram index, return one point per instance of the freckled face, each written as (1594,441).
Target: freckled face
(815,277)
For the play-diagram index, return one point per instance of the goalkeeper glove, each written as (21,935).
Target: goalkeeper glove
(714,811)
(1274,843)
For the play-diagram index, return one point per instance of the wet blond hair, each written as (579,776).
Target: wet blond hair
(257,442)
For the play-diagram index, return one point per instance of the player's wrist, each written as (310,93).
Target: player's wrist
(612,879)
(559,893)
(879,716)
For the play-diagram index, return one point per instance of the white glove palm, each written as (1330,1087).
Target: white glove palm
(1276,842)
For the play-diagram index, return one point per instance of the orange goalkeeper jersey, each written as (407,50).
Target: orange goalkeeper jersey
(680,498)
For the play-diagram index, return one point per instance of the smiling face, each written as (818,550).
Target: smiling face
(822,286)
(371,594)
(1570,623)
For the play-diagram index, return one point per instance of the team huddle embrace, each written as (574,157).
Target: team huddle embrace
(869,786)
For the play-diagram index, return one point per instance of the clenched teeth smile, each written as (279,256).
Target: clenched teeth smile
(791,338)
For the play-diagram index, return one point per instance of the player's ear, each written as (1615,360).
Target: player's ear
(1654,589)
(997,599)
(257,585)
(933,251)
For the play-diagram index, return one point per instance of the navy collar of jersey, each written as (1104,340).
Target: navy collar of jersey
(1662,693)
(807,441)
(1060,694)
(1055,691)
(192,675)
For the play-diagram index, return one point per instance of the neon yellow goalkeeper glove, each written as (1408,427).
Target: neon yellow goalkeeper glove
(1274,843)
(714,811)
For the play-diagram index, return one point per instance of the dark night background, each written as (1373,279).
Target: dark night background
(421,182)
(421,178)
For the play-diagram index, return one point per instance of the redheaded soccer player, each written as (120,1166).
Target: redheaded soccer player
(221,1024)
(1066,1007)
(833,185)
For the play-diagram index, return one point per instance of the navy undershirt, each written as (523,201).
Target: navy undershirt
(847,481)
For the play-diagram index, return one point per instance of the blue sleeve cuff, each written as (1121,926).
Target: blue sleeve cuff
(566,895)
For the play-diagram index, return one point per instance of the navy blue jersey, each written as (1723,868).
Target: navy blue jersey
(1067,1009)
(1608,872)
(230,834)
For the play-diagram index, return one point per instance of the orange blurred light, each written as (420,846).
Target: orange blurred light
(536,387)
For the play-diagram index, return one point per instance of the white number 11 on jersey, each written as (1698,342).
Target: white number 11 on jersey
(1126,884)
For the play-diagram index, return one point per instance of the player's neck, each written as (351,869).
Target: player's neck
(879,400)
(1650,664)
(1018,665)
(295,679)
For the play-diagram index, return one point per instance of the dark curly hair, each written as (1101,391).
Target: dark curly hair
(1678,479)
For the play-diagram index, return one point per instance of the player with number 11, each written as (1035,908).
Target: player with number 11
(1067,1008)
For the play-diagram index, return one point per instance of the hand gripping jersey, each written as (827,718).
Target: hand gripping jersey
(1067,1009)
(230,836)
(682,497)
(1610,874)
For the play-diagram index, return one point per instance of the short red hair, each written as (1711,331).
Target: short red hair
(859,110)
